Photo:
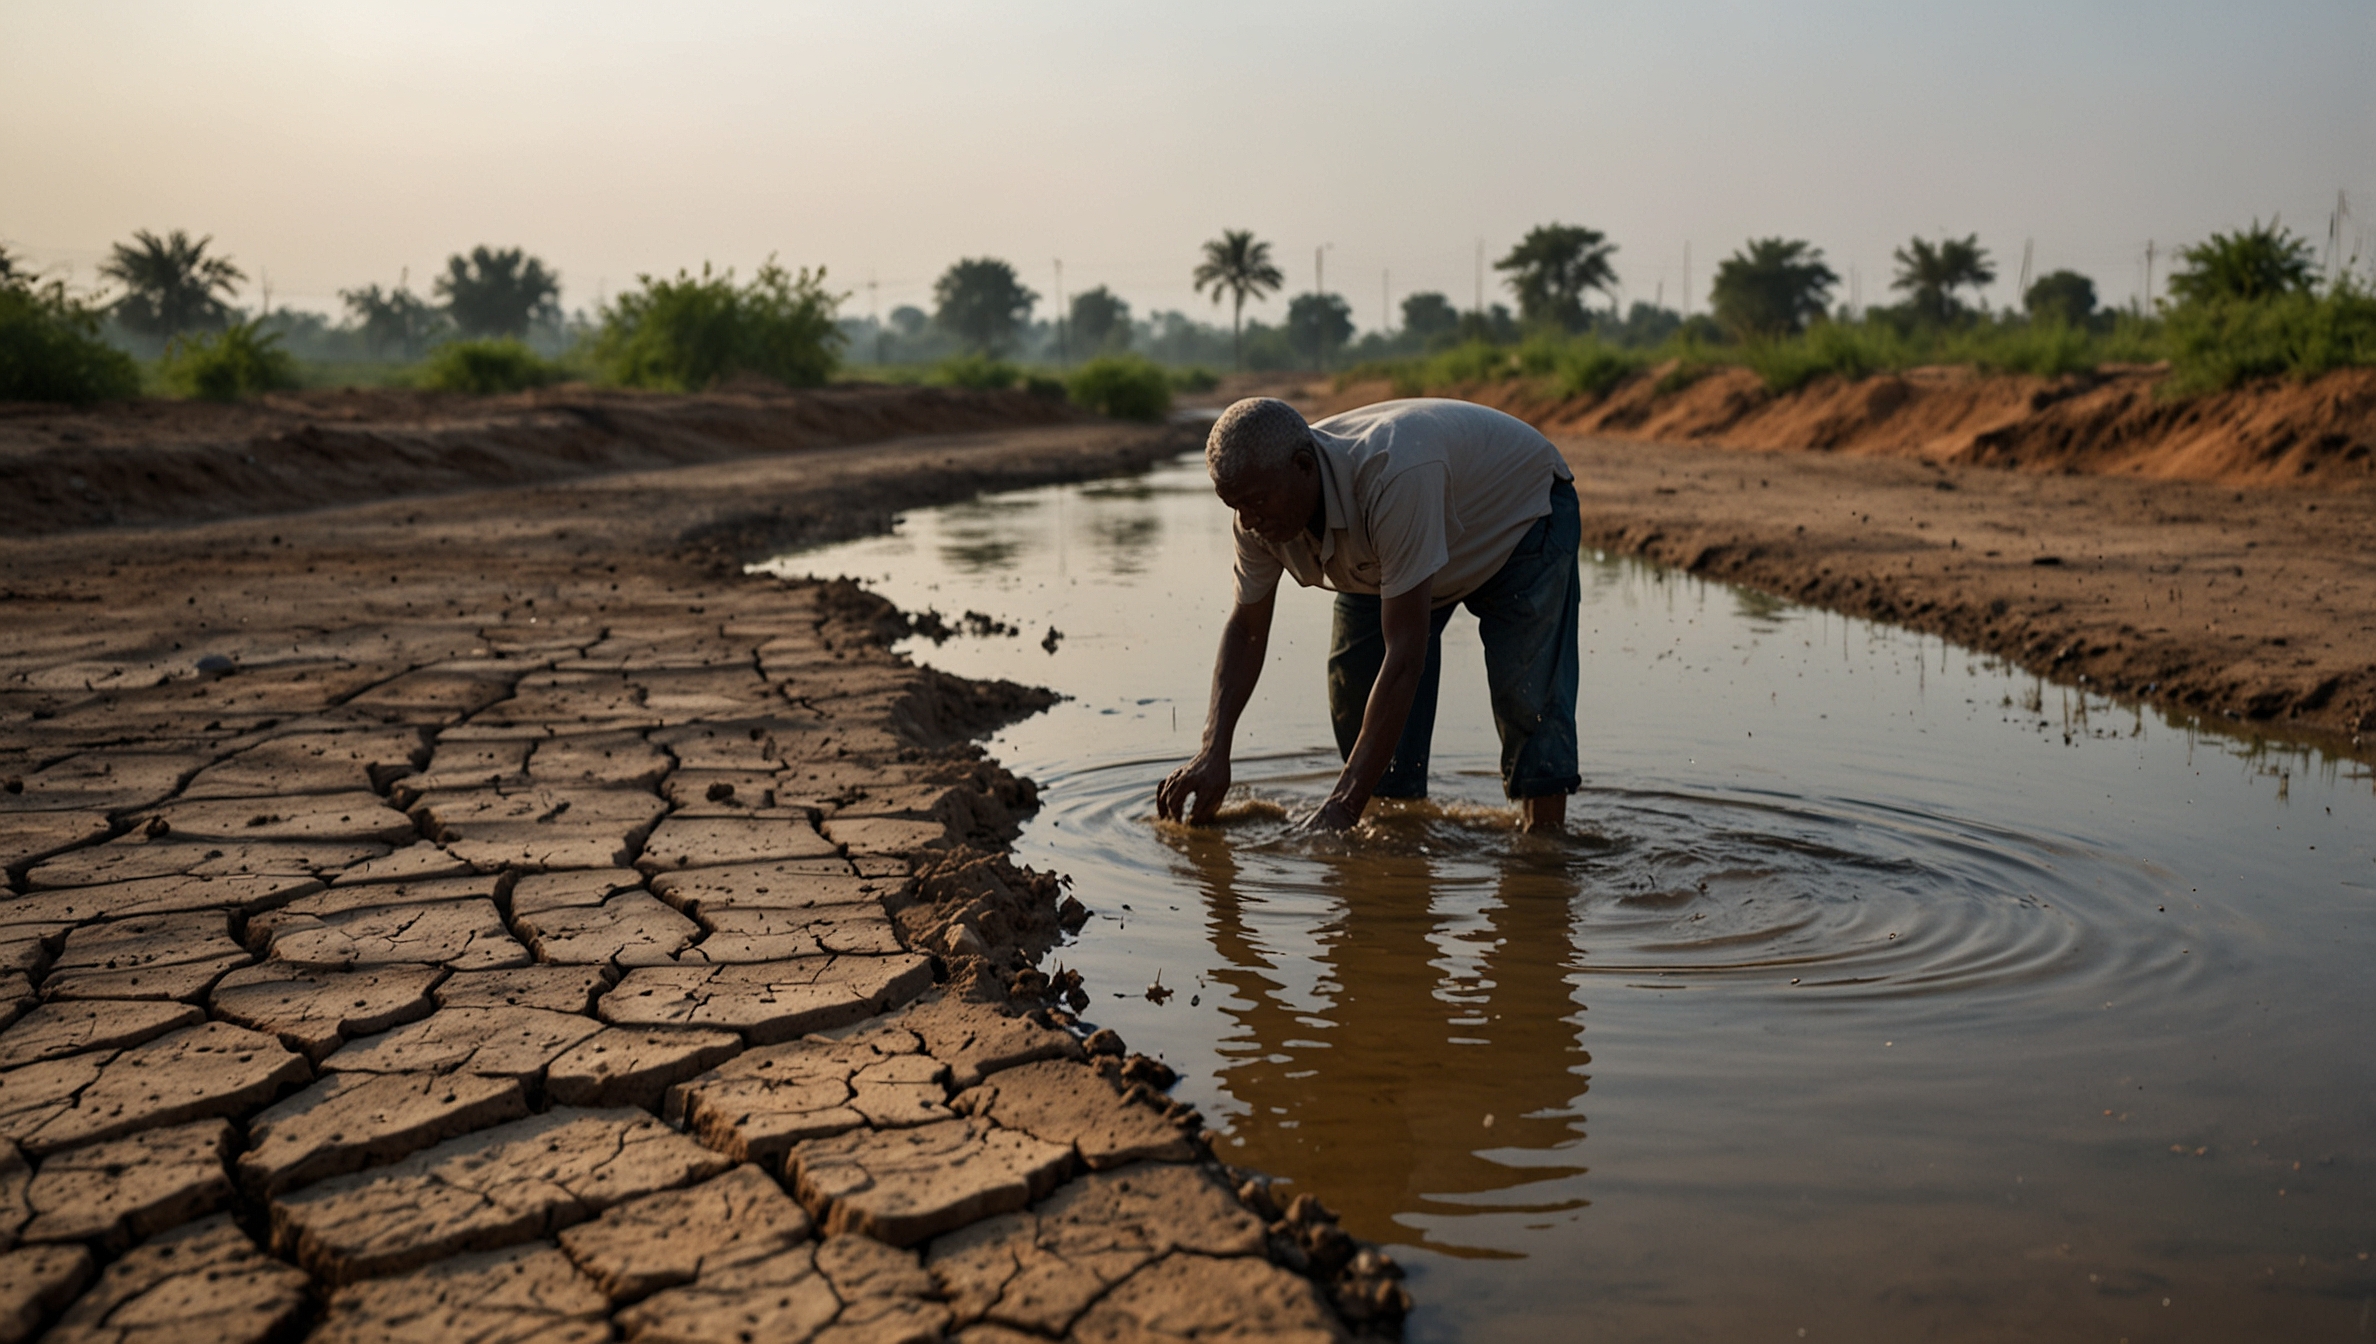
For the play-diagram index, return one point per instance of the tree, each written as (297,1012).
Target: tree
(170,284)
(1428,315)
(12,270)
(1239,266)
(1100,321)
(2066,297)
(2256,263)
(1551,268)
(980,302)
(497,293)
(1771,287)
(909,320)
(398,318)
(1494,326)
(1319,323)
(1931,273)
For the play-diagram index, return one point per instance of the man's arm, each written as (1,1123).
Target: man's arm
(1404,620)
(1245,643)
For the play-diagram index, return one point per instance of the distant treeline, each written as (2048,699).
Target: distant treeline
(2240,305)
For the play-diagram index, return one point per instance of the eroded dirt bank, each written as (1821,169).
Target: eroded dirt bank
(2115,422)
(179,461)
(499,916)
(2253,609)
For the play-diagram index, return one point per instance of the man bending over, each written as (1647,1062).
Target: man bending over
(1406,510)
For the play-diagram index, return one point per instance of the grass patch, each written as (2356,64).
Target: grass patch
(979,372)
(1125,387)
(486,368)
(2219,343)
(237,362)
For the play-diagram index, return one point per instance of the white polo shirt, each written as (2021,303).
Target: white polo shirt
(1413,489)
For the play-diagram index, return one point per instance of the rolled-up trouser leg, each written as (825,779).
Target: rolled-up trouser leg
(1526,618)
(1356,652)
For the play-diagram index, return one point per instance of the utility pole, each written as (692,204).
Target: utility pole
(1687,279)
(1386,302)
(2149,275)
(1063,349)
(1320,305)
(2021,296)
(874,314)
(1480,280)
(2335,238)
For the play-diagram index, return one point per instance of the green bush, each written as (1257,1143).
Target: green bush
(1848,350)
(2222,342)
(1474,362)
(2047,348)
(1123,386)
(238,361)
(979,372)
(2134,339)
(686,334)
(1043,386)
(486,368)
(50,350)
(1590,368)
(1197,379)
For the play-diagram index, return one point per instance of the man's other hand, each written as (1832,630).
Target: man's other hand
(1205,779)
(1335,817)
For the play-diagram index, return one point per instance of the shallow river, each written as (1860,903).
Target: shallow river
(1876,990)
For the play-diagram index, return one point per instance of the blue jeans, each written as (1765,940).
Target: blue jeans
(1526,616)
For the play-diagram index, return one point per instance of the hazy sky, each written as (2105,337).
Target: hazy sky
(327,145)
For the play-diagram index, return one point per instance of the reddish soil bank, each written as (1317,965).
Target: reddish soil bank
(2113,423)
(179,461)
(2253,609)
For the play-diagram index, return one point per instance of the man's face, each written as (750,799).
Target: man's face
(1274,505)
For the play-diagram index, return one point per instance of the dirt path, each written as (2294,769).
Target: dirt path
(495,913)
(2255,609)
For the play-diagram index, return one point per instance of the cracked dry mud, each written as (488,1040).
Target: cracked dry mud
(529,939)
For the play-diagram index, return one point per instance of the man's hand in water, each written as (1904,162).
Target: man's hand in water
(1336,816)
(1205,779)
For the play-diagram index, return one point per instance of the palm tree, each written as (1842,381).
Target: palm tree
(1771,287)
(1930,274)
(1236,265)
(1552,267)
(170,283)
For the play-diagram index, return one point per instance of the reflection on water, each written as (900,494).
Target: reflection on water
(1414,948)
(1874,990)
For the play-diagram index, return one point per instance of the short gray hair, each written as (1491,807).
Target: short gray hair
(1255,436)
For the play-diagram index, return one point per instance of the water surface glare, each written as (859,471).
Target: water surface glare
(1876,990)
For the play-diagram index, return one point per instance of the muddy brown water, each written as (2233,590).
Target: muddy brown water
(1875,991)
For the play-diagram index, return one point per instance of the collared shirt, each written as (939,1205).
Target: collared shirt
(1416,489)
